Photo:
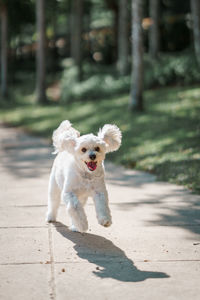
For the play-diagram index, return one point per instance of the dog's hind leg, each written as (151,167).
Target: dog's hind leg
(53,199)
(76,212)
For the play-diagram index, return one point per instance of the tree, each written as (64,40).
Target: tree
(76,34)
(122,63)
(195,9)
(136,98)
(154,34)
(4,49)
(41,55)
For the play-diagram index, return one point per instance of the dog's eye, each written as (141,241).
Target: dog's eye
(97,149)
(83,150)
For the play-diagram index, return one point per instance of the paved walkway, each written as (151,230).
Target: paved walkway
(152,250)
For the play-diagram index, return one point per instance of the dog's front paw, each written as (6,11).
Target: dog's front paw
(80,229)
(104,221)
(73,228)
(50,218)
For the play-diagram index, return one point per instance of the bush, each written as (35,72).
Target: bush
(102,81)
(93,86)
(171,69)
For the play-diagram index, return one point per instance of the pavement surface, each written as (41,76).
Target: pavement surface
(152,250)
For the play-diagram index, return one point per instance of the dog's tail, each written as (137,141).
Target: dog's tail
(64,131)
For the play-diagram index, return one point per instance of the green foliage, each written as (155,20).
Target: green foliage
(97,82)
(179,68)
(101,16)
(102,81)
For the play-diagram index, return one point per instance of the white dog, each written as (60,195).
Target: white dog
(78,173)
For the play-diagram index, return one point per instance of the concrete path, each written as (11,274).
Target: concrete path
(152,250)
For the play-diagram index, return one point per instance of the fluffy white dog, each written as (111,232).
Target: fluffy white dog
(78,173)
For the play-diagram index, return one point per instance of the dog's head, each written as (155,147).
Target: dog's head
(89,150)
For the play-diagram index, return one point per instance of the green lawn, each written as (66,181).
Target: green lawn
(164,140)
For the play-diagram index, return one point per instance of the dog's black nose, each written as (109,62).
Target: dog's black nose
(92,156)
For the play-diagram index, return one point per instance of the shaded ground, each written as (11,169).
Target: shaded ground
(152,250)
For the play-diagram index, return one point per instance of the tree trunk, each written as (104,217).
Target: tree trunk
(195,9)
(122,63)
(41,53)
(154,34)
(4,51)
(136,99)
(76,33)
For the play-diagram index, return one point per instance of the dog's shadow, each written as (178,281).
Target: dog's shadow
(111,261)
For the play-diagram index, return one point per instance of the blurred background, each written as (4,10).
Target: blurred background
(133,63)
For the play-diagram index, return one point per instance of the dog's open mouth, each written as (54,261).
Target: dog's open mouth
(91,165)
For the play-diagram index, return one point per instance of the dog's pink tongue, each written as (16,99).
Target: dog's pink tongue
(91,165)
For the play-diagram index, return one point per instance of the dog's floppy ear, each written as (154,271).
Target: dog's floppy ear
(64,137)
(112,136)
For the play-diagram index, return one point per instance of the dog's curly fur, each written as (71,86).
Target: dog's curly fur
(78,173)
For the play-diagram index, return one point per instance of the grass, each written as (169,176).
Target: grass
(164,140)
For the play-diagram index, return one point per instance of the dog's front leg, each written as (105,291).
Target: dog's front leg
(76,212)
(102,208)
